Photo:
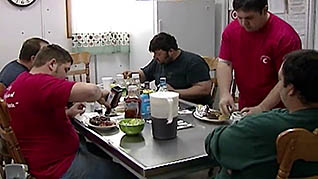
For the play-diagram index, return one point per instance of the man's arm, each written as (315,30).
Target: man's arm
(271,100)
(224,78)
(142,76)
(82,92)
(199,89)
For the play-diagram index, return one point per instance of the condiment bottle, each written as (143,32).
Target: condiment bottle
(145,102)
(132,102)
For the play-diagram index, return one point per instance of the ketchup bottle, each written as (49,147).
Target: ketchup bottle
(133,102)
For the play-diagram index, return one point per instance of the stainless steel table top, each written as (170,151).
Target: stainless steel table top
(151,158)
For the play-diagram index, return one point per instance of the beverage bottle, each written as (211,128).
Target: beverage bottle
(145,102)
(132,103)
(121,83)
(136,81)
(163,84)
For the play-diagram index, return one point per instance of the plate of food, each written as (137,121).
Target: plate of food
(211,115)
(100,122)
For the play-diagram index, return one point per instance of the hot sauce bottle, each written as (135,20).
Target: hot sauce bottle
(132,102)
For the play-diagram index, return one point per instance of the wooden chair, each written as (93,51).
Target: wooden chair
(8,135)
(75,73)
(295,144)
(212,62)
(5,157)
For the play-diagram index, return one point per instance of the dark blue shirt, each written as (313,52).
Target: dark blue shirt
(182,73)
(11,71)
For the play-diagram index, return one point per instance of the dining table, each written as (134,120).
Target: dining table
(147,157)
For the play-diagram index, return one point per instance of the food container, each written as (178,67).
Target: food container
(131,126)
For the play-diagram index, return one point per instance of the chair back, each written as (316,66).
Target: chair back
(8,134)
(2,88)
(295,144)
(212,62)
(78,72)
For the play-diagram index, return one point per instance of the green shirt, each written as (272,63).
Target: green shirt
(248,147)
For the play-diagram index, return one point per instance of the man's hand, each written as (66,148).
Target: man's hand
(103,98)
(77,108)
(170,88)
(253,110)
(227,105)
(127,74)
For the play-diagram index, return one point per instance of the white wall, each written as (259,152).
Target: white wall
(220,22)
(46,19)
(142,32)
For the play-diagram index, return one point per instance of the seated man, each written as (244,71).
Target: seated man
(186,73)
(48,141)
(26,57)
(253,138)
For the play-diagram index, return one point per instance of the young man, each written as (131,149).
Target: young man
(186,72)
(48,141)
(253,46)
(26,57)
(253,138)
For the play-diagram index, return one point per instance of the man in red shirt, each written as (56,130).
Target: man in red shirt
(253,46)
(37,101)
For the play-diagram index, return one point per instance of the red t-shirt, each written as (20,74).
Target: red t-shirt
(257,56)
(47,138)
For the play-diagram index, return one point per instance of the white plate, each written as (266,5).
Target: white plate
(86,121)
(204,118)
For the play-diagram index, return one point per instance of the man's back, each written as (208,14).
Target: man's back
(10,72)
(253,139)
(47,139)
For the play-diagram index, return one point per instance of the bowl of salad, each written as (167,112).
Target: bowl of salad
(131,126)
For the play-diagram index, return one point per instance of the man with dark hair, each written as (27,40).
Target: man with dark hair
(186,72)
(254,136)
(48,140)
(253,46)
(26,57)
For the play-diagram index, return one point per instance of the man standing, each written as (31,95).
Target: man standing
(253,46)
(186,72)
(26,57)
(48,141)
(254,136)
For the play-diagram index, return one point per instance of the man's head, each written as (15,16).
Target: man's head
(299,78)
(163,46)
(30,48)
(55,59)
(251,14)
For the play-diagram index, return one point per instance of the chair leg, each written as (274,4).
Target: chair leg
(2,167)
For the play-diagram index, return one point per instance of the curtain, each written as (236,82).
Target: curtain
(101,43)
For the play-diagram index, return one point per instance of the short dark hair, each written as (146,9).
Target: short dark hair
(52,51)
(163,41)
(249,5)
(31,47)
(300,70)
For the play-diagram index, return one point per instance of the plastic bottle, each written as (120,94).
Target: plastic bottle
(135,80)
(163,84)
(145,102)
(121,83)
(132,103)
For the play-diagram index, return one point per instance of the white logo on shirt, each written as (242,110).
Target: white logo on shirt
(9,95)
(265,59)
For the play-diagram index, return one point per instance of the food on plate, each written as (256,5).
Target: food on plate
(205,111)
(212,114)
(101,121)
(223,117)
